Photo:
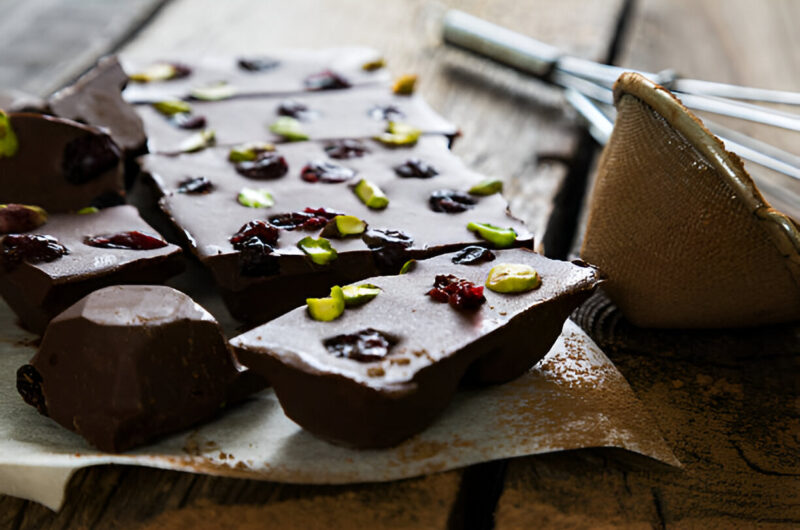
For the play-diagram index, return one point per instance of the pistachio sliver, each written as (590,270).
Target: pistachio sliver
(290,128)
(487,187)
(198,141)
(375,64)
(404,85)
(255,198)
(356,295)
(344,225)
(512,278)
(327,309)
(408,266)
(501,237)
(371,195)
(172,107)
(154,72)
(249,151)
(87,210)
(8,139)
(399,134)
(213,92)
(319,250)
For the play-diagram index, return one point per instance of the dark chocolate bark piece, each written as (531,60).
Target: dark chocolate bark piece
(413,351)
(96,99)
(37,292)
(128,364)
(60,165)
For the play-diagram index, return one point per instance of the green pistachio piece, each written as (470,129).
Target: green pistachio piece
(16,218)
(501,237)
(371,195)
(8,139)
(154,72)
(172,107)
(88,210)
(198,141)
(408,266)
(327,309)
(375,64)
(344,225)
(255,198)
(289,128)
(213,92)
(512,278)
(398,134)
(404,85)
(249,151)
(356,295)
(319,250)
(487,187)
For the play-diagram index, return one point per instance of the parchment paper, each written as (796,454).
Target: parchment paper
(574,398)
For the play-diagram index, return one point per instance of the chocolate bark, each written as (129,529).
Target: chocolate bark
(128,364)
(208,220)
(378,401)
(60,165)
(37,292)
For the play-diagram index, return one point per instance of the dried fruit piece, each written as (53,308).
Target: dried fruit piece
(198,141)
(356,295)
(319,250)
(344,149)
(214,91)
(404,85)
(326,80)
(415,168)
(327,309)
(172,107)
(375,64)
(399,134)
(459,293)
(487,187)
(386,112)
(161,72)
(289,128)
(367,345)
(343,226)
(408,266)
(132,240)
(16,218)
(257,228)
(258,64)
(255,242)
(371,195)
(450,201)
(513,278)
(473,254)
(328,172)
(188,121)
(266,166)
(8,139)
(33,248)
(195,186)
(255,198)
(388,246)
(29,386)
(294,109)
(308,219)
(501,237)
(87,157)
(249,151)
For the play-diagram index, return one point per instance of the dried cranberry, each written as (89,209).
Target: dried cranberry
(184,120)
(328,172)
(389,248)
(180,71)
(386,112)
(33,248)
(256,228)
(131,240)
(415,168)
(195,186)
(268,165)
(367,345)
(258,64)
(325,80)
(460,293)
(87,157)
(257,258)
(450,201)
(344,149)
(308,219)
(294,109)
(473,254)
(29,386)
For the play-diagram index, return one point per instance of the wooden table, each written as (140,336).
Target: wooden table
(727,402)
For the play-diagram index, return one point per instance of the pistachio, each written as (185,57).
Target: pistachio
(487,187)
(319,250)
(172,107)
(249,151)
(375,64)
(512,278)
(88,210)
(399,134)
(404,85)
(356,295)
(327,309)
(290,128)
(198,141)
(255,198)
(16,218)
(160,72)
(371,195)
(343,226)
(408,266)
(501,237)
(214,91)
(8,139)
